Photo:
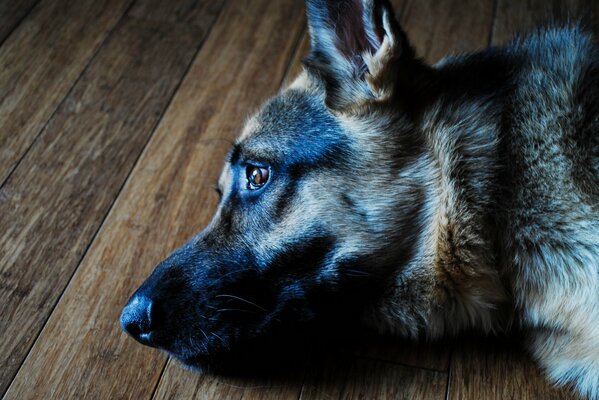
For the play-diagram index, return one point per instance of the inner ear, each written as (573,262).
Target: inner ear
(351,36)
(344,30)
(355,44)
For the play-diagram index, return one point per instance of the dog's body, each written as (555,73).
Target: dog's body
(515,220)
(428,199)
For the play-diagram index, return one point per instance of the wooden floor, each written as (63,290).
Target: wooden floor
(112,115)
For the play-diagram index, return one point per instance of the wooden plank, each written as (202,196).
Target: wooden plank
(355,378)
(82,352)
(498,369)
(40,61)
(187,12)
(55,201)
(178,383)
(437,28)
(11,14)
(295,67)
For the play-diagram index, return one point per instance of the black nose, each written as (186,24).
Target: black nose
(136,319)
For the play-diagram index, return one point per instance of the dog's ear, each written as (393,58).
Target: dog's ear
(357,47)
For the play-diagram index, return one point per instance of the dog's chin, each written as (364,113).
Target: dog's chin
(251,356)
(277,350)
(255,361)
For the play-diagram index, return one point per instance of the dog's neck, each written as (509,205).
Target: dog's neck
(456,251)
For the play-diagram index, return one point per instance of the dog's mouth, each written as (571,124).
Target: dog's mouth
(281,347)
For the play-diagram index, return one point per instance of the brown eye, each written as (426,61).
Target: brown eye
(256,176)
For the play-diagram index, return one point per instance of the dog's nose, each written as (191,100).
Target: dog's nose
(136,319)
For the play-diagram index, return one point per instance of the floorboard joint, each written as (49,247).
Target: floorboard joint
(19,22)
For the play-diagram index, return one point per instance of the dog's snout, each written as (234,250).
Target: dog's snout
(137,319)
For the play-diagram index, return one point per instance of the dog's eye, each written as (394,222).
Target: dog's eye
(256,176)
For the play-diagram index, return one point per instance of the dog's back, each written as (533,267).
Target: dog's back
(551,212)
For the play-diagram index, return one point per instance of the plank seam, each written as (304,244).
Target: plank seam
(159,380)
(68,93)
(14,28)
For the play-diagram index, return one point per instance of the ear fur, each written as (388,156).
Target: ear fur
(356,48)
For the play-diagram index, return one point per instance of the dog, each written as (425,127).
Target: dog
(413,199)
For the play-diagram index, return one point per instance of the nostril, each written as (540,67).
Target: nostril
(136,319)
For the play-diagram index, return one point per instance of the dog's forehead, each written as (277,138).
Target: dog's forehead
(294,124)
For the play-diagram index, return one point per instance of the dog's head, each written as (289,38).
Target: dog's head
(321,199)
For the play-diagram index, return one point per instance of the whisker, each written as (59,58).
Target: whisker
(221,339)
(244,300)
(235,309)
(204,333)
(355,272)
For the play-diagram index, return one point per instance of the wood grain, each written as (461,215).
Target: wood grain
(186,12)
(295,67)
(177,383)
(82,352)
(39,63)
(11,13)
(54,202)
(355,378)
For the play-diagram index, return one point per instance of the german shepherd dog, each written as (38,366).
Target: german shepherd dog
(417,200)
